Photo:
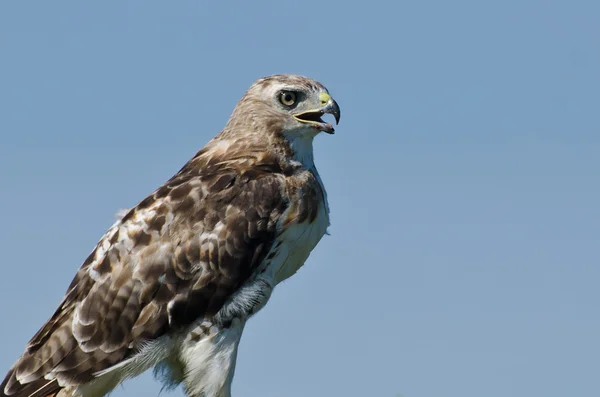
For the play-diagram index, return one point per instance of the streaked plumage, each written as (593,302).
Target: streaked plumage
(172,283)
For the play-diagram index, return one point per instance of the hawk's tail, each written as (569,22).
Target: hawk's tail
(11,387)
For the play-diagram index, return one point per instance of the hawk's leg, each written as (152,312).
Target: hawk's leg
(248,300)
(210,350)
(210,362)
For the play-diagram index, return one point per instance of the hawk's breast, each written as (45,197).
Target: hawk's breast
(303,225)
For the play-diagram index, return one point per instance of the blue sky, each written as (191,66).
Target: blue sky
(463,259)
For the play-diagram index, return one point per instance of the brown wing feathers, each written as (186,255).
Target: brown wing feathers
(191,243)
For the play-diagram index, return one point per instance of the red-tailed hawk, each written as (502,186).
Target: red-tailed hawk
(172,283)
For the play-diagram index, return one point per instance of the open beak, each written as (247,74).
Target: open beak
(314,116)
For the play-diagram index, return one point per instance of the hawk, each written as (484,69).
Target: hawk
(172,283)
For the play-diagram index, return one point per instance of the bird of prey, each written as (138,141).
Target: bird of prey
(172,283)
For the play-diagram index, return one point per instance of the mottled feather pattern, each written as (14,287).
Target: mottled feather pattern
(176,259)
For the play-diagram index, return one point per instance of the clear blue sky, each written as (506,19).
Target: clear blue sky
(463,181)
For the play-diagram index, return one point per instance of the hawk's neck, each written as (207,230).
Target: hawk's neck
(301,148)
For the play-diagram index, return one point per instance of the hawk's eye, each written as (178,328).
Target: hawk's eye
(288,98)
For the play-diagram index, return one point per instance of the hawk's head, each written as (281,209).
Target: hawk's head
(287,104)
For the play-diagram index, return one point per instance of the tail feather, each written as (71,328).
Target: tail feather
(11,387)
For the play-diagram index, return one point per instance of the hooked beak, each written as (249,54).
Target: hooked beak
(329,106)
